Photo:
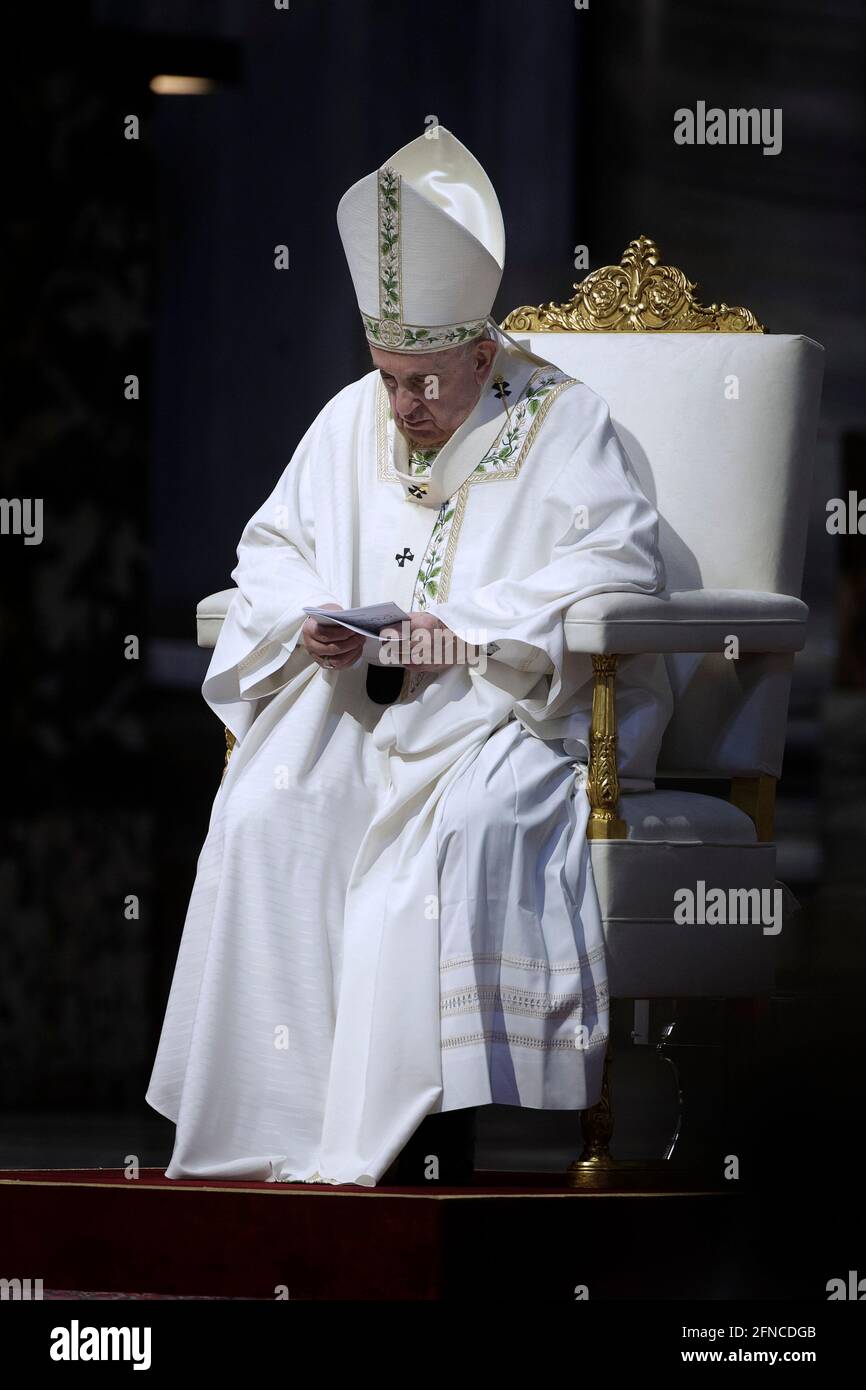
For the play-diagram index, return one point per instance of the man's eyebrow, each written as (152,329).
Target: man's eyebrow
(416,376)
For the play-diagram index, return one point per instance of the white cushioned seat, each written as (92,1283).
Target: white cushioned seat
(685,818)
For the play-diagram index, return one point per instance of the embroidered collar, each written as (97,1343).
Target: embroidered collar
(460,455)
(421,460)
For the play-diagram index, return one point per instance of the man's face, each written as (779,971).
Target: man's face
(432,393)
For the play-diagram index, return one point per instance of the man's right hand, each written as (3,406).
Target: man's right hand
(329,644)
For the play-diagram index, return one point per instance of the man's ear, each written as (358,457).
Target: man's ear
(482,357)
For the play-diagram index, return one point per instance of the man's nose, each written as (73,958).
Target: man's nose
(406,402)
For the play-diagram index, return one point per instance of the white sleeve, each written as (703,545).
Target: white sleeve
(257,650)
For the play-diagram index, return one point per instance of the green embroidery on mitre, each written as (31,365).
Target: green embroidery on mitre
(389,330)
(390,267)
(388,333)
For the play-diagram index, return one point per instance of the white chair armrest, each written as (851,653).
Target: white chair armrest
(693,620)
(209,616)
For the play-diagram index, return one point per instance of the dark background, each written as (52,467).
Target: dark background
(155,257)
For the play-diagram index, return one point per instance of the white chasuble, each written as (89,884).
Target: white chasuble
(393,911)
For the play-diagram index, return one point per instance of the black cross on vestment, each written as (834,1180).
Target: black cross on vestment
(407,555)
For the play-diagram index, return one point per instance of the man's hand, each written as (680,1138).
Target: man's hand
(427,646)
(329,644)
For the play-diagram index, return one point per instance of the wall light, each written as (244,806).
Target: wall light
(174,85)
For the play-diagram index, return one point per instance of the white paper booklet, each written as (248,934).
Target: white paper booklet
(366,621)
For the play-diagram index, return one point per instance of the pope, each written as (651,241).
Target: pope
(394,916)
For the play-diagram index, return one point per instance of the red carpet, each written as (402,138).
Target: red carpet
(96,1230)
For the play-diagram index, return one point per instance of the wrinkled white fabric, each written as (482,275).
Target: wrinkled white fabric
(523,996)
(304,1037)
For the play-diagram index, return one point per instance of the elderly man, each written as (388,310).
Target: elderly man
(394,915)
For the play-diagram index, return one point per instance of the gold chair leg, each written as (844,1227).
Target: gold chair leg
(598,1171)
(590,1171)
(603,778)
(757,797)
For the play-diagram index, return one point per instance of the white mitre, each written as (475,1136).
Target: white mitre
(425,242)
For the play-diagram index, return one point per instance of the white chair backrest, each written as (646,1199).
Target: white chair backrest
(720,429)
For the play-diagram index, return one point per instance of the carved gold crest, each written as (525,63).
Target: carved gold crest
(638,295)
